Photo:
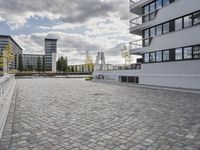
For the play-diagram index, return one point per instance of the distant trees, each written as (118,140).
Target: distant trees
(62,64)
(39,64)
(20,63)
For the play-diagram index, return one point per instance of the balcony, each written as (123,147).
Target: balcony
(136,24)
(136,6)
(136,46)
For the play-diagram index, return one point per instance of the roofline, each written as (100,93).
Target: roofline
(50,39)
(8,36)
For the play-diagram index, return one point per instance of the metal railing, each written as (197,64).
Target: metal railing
(135,66)
(135,44)
(133,2)
(5,84)
(143,18)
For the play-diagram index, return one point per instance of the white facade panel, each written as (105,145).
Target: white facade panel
(182,74)
(53,62)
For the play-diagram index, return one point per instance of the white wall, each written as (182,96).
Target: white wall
(181,74)
(53,62)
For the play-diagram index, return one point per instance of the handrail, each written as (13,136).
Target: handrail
(139,19)
(5,82)
(135,44)
(133,2)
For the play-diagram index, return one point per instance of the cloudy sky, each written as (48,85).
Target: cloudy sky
(79,25)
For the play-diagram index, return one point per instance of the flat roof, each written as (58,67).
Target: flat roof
(8,36)
(49,39)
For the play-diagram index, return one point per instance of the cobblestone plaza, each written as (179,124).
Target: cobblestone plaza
(73,114)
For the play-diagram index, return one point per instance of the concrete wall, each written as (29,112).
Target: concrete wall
(181,74)
(54,62)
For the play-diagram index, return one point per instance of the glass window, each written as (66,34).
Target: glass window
(187,52)
(158,4)
(152,7)
(159,30)
(145,18)
(152,16)
(166,27)
(146,57)
(196,18)
(152,57)
(146,42)
(178,24)
(146,33)
(159,56)
(166,55)
(196,52)
(178,54)
(146,9)
(152,32)
(187,21)
(165,2)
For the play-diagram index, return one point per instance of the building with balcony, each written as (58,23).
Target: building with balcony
(7,42)
(169,43)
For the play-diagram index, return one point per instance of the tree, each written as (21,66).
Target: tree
(20,63)
(62,64)
(88,61)
(43,63)
(39,65)
(125,54)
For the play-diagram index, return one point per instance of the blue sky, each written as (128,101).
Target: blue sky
(79,25)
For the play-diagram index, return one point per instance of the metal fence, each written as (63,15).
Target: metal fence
(5,85)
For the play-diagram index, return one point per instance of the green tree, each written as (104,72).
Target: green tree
(20,63)
(39,65)
(43,64)
(62,64)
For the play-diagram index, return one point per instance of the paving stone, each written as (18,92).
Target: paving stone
(56,114)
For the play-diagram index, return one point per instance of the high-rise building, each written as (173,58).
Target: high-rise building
(8,42)
(50,54)
(169,43)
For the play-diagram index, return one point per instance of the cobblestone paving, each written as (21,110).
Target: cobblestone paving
(73,114)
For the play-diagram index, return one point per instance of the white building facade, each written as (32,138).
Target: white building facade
(169,44)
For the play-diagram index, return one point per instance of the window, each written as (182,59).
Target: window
(166,27)
(196,18)
(178,54)
(178,24)
(159,30)
(171,26)
(152,57)
(166,55)
(146,33)
(187,21)
(152,32)
(152,9)
(196,52)
(158,56)
(158,4)
(165,2)
(146,57)
(146,9)
(187,52)
(146,42)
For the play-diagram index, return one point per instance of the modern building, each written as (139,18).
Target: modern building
(83,68)
(32,62)
(50,54)
(7,42)
(169,44)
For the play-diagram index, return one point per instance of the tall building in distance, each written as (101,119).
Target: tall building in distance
(50,54)
(169,44)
